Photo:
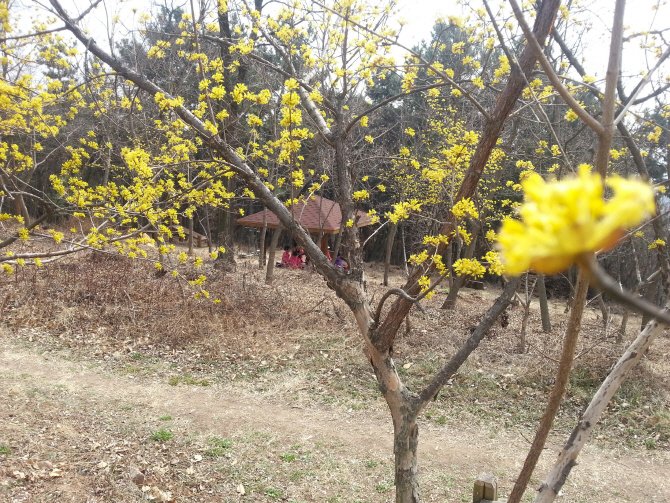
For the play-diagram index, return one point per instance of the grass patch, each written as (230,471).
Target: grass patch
(166,417)
(5,449)
(188,379)
(288,458)
(382,488)
(220,447)
(215,452)
(223,443)
(161,435)
(273,493)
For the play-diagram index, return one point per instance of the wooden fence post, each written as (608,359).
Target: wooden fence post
(485,489)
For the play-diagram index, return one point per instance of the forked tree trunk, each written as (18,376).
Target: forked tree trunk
(389,249)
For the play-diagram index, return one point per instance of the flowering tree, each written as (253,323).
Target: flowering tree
(204,145)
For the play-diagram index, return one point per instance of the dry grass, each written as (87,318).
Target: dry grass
(295,343)
(113,306)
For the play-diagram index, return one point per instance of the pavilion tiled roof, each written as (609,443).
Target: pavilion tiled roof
(318,214)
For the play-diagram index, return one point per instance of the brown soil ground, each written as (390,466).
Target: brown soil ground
(135,400)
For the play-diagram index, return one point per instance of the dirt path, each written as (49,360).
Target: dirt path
(65,411)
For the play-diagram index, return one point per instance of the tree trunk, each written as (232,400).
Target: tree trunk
(190,235)
(544,304)
(524,327)
(264,229)
(108,165)
(389,249)
(404,251)
(271,259)
(450,262)
(338,243)
(458,283)
(405,442)
(20,209)
(650,294)
(603,308)
(622,329)
(209,231)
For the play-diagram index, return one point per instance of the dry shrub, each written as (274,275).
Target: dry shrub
(109,300)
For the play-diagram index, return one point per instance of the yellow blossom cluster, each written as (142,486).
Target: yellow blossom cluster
(562,220)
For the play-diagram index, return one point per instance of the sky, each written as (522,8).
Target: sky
(421,15)
(639,16)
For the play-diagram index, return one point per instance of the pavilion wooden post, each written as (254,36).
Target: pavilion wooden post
(324,244)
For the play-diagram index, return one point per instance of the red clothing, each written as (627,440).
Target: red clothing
(286,259)
(295,262)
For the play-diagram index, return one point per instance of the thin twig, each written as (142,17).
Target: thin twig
(600,279)
(399,293)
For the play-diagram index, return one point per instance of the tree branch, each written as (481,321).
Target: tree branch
(580,435)
(451,367)
(551,74)
(562,375)
(400,293)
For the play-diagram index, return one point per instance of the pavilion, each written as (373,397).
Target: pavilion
(318,216)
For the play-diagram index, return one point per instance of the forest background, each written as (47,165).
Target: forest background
(123,142)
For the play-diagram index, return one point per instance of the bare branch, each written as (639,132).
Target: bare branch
(551,74)
(400,293)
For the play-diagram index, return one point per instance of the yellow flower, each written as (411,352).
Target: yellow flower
(465,207)
(469,267)
(495,266)
(561,220)
(570,115)
(458,48)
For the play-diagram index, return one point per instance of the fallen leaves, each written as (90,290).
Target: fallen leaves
(155,494)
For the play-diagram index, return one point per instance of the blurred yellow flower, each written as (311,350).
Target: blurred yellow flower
(561,220)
